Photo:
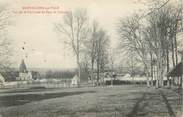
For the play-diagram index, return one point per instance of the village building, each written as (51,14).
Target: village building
(24,74)
(176,74)
(75,81)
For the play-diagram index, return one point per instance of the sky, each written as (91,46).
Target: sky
(43,47)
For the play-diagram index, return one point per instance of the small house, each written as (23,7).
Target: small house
(75,81)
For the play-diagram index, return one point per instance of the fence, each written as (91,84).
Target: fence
(45,83)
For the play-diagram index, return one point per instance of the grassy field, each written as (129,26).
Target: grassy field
(116,101)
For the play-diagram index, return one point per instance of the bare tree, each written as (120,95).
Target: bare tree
(131,63)
(154,39)
(90,48)
(96,50)
(112,57)
(102,45)
(132,40)
(162,30)
(74,27)
(5,49)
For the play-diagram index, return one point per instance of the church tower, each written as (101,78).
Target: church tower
(24,75)
(23,72)
(22,67)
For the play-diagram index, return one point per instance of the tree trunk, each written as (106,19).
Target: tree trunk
(158,68)
(147,76)
(148,84)
(161,72)
(176,54)
(111,81)
(98,71)
(182,71)
(173,58)
(92,75)
(79,71)
(98,66)
(151,70)
(154,75)
(167,62)
(181,82)
(98,60)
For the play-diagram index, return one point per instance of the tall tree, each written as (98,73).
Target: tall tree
(91,47)
(5,49)
(132,39)
(102,45)
(74,27)
(162,30)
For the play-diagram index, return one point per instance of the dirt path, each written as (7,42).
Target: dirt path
(168,106)
(157,104)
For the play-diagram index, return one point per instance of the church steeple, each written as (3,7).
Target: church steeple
(22,67)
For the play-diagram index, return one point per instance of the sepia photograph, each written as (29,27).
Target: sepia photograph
(91,58)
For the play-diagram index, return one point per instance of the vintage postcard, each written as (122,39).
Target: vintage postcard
(91,58)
